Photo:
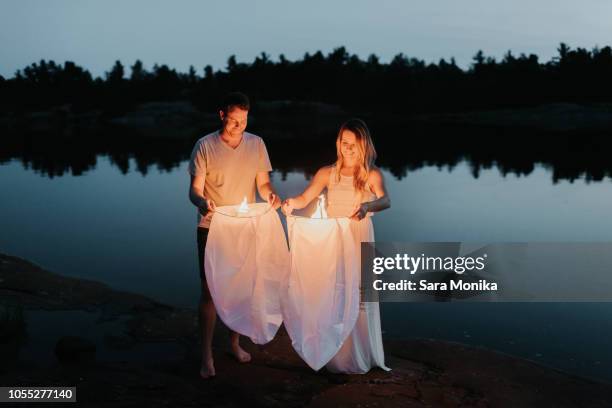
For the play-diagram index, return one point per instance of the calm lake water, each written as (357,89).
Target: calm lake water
(137,232)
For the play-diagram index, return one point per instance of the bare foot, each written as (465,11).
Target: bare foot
(241,355)
(207,370)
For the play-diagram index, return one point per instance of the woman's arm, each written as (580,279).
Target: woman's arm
(382,202)
(318,183)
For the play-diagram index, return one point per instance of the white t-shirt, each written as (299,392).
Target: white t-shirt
(230,172)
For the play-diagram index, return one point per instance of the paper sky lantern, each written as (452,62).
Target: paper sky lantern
(246,259)
(320,296)
(320,211)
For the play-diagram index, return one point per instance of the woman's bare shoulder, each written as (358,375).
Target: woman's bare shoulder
(375,173)
(325,171)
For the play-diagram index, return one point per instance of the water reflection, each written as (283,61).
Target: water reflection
(402,147)
(125,220)
(137,232)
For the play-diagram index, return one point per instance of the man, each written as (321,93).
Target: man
(226,166)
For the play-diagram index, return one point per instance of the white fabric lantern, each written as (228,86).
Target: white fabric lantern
(246,260)
(320,297)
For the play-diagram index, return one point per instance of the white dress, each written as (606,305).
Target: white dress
(363,348)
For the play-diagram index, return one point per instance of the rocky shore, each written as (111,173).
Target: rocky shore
(556,117)
(181,120)
(170,121)
(426,373)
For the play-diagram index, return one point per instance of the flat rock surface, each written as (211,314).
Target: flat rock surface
(426,373)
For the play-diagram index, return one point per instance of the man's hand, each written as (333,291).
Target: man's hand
(210,207)
(274,200)
(359,212)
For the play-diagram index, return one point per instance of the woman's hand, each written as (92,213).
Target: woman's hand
(288,206)
(274,200)
(359,212)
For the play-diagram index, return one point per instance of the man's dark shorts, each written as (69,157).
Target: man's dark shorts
(202,238)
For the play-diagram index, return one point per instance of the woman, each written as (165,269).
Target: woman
(355,189)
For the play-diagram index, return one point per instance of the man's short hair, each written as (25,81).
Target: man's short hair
(235,100)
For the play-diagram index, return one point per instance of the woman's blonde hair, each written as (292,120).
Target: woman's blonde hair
(365,151)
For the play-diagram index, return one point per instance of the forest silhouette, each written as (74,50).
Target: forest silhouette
(403,84)
(384,94)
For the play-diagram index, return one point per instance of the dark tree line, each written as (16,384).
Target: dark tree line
(403,84)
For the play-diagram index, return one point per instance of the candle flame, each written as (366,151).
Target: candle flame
(320,212)
(244,207)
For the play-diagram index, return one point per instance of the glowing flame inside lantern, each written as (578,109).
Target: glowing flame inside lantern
(244,207)
(320,212)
